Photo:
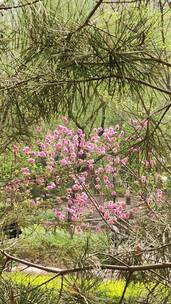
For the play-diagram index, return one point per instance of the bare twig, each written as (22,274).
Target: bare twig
(126,286)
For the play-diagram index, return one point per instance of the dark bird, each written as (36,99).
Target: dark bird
(12,230)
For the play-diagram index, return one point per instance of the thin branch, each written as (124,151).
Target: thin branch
(123,78)
(95,204)
(61,289)
(125,288)
(91,79)
(161,118)
(46,282)
(90,15)
(4,8)
(123,2)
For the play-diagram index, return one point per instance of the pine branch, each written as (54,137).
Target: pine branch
(86,80)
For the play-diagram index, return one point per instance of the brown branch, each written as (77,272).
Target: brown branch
(123,78)
(160,120)
(86,20)
(158,60)
(90,15)
(60,272)
(46,282)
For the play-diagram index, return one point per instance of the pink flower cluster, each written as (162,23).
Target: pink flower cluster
(70,169)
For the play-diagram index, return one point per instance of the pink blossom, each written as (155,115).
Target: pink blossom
(78,230)
(113,193)
(98,228)
(51,186)
(95,138)
(58,146)
(59,214)
(90,147)
(98,186)
(50,168)
(64,162)
(121,204)
(42,154)
(65,150)
(70,210)
(101,150)
(75,141)
(111,221)
(159,194)
(108,169)
(124,161)
(31,161)
(99,130)
(15,148)
(26,150)
(65,120)
(117,160)
(73,156)
(111,205)
(62,129)
(97,179)
(90,163)
(125,216)
(99,170)
(106,215)
(76,187)
(25,171)
(74,151)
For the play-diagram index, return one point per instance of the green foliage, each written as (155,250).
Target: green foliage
(58,249)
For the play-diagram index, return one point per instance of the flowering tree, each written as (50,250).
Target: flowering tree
(77,176)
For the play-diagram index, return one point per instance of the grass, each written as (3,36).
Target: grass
(38,244)
(110,288)
(35,280)
(27,289)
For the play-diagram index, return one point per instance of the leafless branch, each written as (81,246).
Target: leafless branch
(59,272)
